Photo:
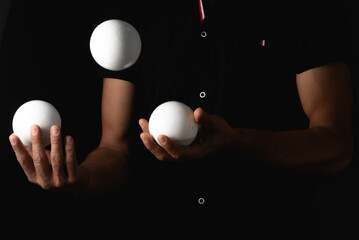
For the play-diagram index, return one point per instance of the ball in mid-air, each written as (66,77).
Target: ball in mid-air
(115,45)
(176,121)
(35,112)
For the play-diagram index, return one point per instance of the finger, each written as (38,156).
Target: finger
(144,125)
(200,116)
(40,160)
(153,147)
(29,150)
(176,151)
(48,155)
(56,156)
(23,157)
(71,163)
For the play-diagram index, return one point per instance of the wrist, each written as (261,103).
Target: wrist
(79,186)
(231,139)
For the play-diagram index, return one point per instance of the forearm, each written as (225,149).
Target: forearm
(104,171)
(312,150)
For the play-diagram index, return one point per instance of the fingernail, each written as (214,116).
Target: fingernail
(34,130)
(162,140)
(12,140)
(55,131)
(69,140)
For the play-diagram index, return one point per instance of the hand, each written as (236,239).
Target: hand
(214,134)
(48,169)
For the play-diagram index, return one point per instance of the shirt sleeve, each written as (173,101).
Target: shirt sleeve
(323,34)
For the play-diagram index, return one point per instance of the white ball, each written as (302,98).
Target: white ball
(34,112)
(115,45)
(176,121)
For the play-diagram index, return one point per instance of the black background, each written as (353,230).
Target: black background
(44,54)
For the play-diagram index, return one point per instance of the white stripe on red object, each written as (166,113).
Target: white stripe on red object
(201,10)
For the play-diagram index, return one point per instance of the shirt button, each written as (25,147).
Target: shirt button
(203,34)
(202,94)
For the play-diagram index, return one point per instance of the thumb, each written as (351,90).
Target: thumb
(201,117)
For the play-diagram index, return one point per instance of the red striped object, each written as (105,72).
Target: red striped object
(201,10)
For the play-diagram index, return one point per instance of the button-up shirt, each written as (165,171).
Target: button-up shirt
(239,62)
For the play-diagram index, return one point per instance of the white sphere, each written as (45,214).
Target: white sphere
(35,112)
(115,45)
(176,121)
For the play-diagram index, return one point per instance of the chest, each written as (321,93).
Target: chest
(238,59)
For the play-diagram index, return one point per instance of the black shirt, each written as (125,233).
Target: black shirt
(240,63)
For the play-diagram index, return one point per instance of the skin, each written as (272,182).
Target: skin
(104,170)
(324,148)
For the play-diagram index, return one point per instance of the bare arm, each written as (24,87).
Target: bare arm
(106,168)
(104,171)
(325,147)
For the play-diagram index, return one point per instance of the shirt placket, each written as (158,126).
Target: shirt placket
(203,35)
(202,94)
